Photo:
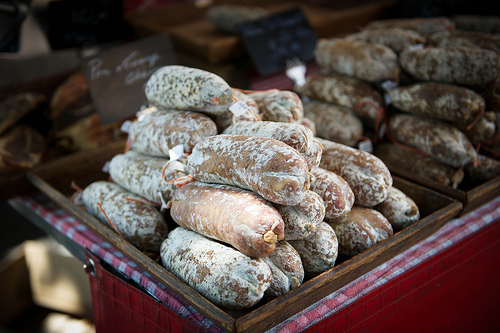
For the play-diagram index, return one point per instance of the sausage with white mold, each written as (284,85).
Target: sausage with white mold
(336,193)
(185,88)
(440,140)
(138,222)
(287,268)
(399,209)
(295,135)
(367,175)
(278,105)
(334,122)
(220,273)
(158,132)
(318,251)
(360,229)
(371,62)
(269,167)
(146,175)
(302,219)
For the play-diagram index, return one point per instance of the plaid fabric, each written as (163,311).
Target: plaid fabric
(454,231)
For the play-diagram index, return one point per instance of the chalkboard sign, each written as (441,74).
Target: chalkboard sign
(76,23)
(274,39)
(116,77)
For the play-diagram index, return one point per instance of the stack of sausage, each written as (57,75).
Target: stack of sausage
(440,87)
(258,204)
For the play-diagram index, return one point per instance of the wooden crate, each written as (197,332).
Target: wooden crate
(54,179)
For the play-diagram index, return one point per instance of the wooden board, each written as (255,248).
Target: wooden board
(54,179)
(199,37)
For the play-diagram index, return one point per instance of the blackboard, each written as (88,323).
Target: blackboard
(116,77)
(76,23)
(274,39)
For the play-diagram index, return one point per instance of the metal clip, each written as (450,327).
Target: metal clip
(89,267)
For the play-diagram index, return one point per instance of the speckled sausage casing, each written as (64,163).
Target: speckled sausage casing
(295,135)
(142,175)
(156,133)
(366,174)
(458,65)
(397,39)
(438,100)
(465,38)
(399,209)
(334,190)
(359,230)
(440,140)
(278,105)
(229,214)
(344,90)
(319,251)
(141,224)
(426,167)
(367,61)
(422,25)
(334,122)
(286,266)
(185,88)
(302,219)
(266,166)
(220,273)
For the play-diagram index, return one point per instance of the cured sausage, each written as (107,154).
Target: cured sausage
(229,214)
(359,230)
(145,175)
(319,251)
(220,273)
(288,272)
(438,100)
(347,91)
(302,219)
(397,39)
(366,174)
(366,61)
(422,25)
(138,222)
(459,65)
(440,140)
(295,135)
(186,88)
(278,105)
(334,122)
(158,132)
(399,209)
(337,195)
(266,166)
(424,166)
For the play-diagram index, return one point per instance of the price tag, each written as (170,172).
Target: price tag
(416,47)
(274,39)
(176,152)
(125,128)
(116,77)
(366,145)
(105,167)
(239,108)
(164,205)
(389,85)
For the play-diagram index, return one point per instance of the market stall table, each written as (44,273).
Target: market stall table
(447,282)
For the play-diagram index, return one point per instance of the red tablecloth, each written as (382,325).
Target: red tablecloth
(425,273)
